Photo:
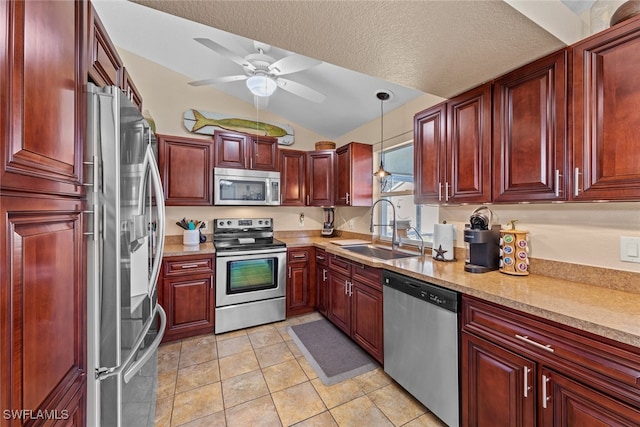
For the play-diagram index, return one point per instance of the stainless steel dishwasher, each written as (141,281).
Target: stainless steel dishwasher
(421,342)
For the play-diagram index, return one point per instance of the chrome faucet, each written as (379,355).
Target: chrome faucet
(421,239)
(394,238)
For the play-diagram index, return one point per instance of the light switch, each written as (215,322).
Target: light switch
(630,249)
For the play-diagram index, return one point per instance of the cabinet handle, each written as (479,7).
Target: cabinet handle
(526,381)
(446,191)
(347,198)
(526,339)
(557,182)
(324,274)
(439,191)
(545,396)
(307,199)
(289,272)
(576,186)
(298,256)
(183,266)
(319,257)
(346,286)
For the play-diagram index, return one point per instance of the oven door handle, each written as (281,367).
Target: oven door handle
(250,252)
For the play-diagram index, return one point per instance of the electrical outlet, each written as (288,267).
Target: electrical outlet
(630,249)
(301,220)
(352,224)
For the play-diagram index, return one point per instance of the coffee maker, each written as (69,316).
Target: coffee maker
(327,227)
(482,242)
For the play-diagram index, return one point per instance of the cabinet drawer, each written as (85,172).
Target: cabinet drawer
(298,255)
(370,275)
(339,265)
(598,357)
(321,257)
(188,265)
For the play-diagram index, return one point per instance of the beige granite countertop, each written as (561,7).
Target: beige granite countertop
(610,313)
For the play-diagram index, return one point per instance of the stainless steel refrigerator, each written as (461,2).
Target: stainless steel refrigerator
(125,323)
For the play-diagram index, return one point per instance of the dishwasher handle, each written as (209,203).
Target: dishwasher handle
(428,292)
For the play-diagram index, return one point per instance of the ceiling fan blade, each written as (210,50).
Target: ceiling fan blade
(301,90)
(292,64)
(221,50)
(217,80)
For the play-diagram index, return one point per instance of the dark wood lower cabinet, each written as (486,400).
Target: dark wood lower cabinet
(188,295)
(355,303)
(300,285)
(43,300)
(522,370)
(493,380)
(322,284)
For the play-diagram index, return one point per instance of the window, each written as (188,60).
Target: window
(398,189)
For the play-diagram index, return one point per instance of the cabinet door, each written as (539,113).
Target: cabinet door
(366,326)
(567,403)
(105,65)
(322,284)
(320,178)
(468,164)
(230,150)
(606,123)
(354,172)
(430,132)
(43,300)
(300,290)
(263,154)
(339,301)
(498,386)
(42,102)
(186,168)
(529,128)
(292,177)
(188,301)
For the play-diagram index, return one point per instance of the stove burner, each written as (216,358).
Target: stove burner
(244,234)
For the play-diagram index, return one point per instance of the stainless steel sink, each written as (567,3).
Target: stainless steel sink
(378,252)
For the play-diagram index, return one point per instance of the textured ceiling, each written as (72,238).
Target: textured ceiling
(438,47)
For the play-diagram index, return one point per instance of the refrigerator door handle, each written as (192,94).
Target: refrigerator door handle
(104,373)
(157,185)
(153,347)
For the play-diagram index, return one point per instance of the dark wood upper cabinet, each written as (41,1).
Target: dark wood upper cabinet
(354,184)
(105,65)
(606,114)
(292,177)
(321,166)
(186,169)
(43,104)
(129,89)
(468,172)
(242,151)
(430,135)
(453,150)
(529,132)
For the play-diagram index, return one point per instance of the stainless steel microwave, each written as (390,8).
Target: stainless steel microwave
(246,187)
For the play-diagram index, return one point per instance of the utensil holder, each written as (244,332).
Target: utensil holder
(191,237)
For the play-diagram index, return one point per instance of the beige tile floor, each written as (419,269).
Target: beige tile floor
(258,377)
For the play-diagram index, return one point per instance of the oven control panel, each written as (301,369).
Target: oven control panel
(243,223)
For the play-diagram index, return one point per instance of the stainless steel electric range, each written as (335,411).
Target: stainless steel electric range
(250,273)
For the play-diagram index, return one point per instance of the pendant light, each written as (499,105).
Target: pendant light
(381,173)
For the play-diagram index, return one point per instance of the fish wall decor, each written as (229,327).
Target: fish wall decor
(205,123)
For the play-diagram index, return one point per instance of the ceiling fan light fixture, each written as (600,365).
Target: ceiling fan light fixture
(261,85)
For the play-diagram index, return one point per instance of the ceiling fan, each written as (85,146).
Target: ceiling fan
(263,73)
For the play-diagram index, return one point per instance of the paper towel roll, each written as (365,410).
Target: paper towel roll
(443,237)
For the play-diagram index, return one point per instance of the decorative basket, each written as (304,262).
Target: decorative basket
(325,145)
(627,10)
